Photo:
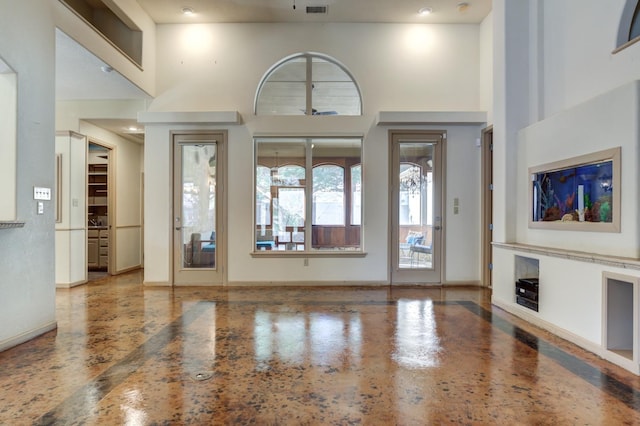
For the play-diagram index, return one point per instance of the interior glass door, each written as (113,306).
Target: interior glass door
(417,218)
(196,210)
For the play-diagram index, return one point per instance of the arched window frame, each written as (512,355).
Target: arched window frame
(309,56)
(630,18)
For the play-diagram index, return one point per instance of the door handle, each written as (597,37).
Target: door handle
(437,228)
(178,228)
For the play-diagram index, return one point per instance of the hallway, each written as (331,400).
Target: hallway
(125,354)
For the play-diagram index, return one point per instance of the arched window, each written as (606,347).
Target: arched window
(629,29)
(634,29)
(308,84)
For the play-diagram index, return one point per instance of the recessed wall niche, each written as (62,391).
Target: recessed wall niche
(526,282)
(8,114)
(112,23)
(578,194)
(620,320)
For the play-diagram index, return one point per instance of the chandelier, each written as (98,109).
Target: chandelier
(411,180)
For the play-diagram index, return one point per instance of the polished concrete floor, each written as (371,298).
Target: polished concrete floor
(128,355)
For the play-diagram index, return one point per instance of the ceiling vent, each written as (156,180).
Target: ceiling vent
(317,9)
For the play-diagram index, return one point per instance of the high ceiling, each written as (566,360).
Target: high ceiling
(400,11)
(82,76)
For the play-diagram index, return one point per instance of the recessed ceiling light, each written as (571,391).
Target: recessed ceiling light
(187,11)
(463,7)
(425,11)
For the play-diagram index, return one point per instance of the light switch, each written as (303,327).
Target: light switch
(40,207)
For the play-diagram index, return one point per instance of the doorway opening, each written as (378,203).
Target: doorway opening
(99,184)
(487,205)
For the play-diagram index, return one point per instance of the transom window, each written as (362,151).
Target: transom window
(308,84)
(297,179)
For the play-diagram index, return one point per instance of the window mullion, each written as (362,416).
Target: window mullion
(308,225)
(309,87)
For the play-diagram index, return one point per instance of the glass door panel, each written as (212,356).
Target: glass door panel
(415,205)
(197,206)
(416,179)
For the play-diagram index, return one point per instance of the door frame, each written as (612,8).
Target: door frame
(111,200)
(438,258)
(487,206)
(220,136)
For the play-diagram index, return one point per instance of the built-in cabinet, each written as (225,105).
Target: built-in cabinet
(69,199)
(98,208)
(98,248)
(98,194)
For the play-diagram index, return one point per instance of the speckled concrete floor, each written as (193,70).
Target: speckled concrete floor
(124,354)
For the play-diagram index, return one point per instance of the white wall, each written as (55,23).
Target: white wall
(578,42)
(398,67)
(27,305)
(486,67)
(219,67)
(560,93)
(607,121)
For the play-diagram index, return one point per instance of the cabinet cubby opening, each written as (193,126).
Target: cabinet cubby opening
(620,320)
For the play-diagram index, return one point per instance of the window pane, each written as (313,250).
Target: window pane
(284,91)
(280,194)
(263,195)
(328,195)
(635,24)
(356,195)
(331,205)
(411,183)
(283,193)
(333,90)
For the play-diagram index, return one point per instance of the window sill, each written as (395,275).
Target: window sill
(307,254)
(625,45)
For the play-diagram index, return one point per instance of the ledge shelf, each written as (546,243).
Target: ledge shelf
(612,261)
(10,224)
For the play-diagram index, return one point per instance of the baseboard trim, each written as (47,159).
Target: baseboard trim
(522,313)
(469,283)
(156,283)
(125,270)
(71,285)
(28,335)
(307,284)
